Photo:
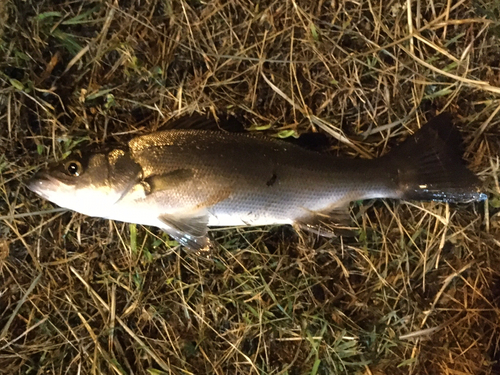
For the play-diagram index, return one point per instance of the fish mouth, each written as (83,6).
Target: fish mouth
(42,182)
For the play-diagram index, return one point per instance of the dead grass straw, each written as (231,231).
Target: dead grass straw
(417,294)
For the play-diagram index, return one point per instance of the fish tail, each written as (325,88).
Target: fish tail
(429,165)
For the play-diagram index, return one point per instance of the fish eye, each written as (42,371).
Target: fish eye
(74,168)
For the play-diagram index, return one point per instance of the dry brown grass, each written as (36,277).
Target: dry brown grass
(417,294)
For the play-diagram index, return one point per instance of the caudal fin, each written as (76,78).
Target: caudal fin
(430,166)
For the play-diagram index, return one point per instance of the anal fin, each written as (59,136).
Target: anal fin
(336,222)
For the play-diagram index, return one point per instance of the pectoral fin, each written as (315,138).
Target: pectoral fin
(169,180)
(190,231)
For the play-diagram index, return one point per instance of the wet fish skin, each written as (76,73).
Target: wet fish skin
(184,181)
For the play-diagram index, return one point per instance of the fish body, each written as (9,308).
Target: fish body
(185,181)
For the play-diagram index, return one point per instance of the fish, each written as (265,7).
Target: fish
(185,181)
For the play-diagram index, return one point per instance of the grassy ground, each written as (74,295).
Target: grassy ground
(418,293)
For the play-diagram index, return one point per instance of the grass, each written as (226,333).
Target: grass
(417,293)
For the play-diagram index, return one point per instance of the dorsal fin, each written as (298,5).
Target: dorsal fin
(232,124)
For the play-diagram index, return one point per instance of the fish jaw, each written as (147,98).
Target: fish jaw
(50,188)
(93,201)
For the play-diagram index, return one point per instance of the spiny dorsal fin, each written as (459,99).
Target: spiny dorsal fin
(229,123)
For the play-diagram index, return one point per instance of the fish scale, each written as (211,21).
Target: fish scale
(304,180)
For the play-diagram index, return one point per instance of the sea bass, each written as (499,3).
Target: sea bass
(184,181)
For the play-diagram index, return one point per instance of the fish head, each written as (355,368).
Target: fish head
(89,183)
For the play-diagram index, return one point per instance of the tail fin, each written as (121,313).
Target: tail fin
(430,166)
